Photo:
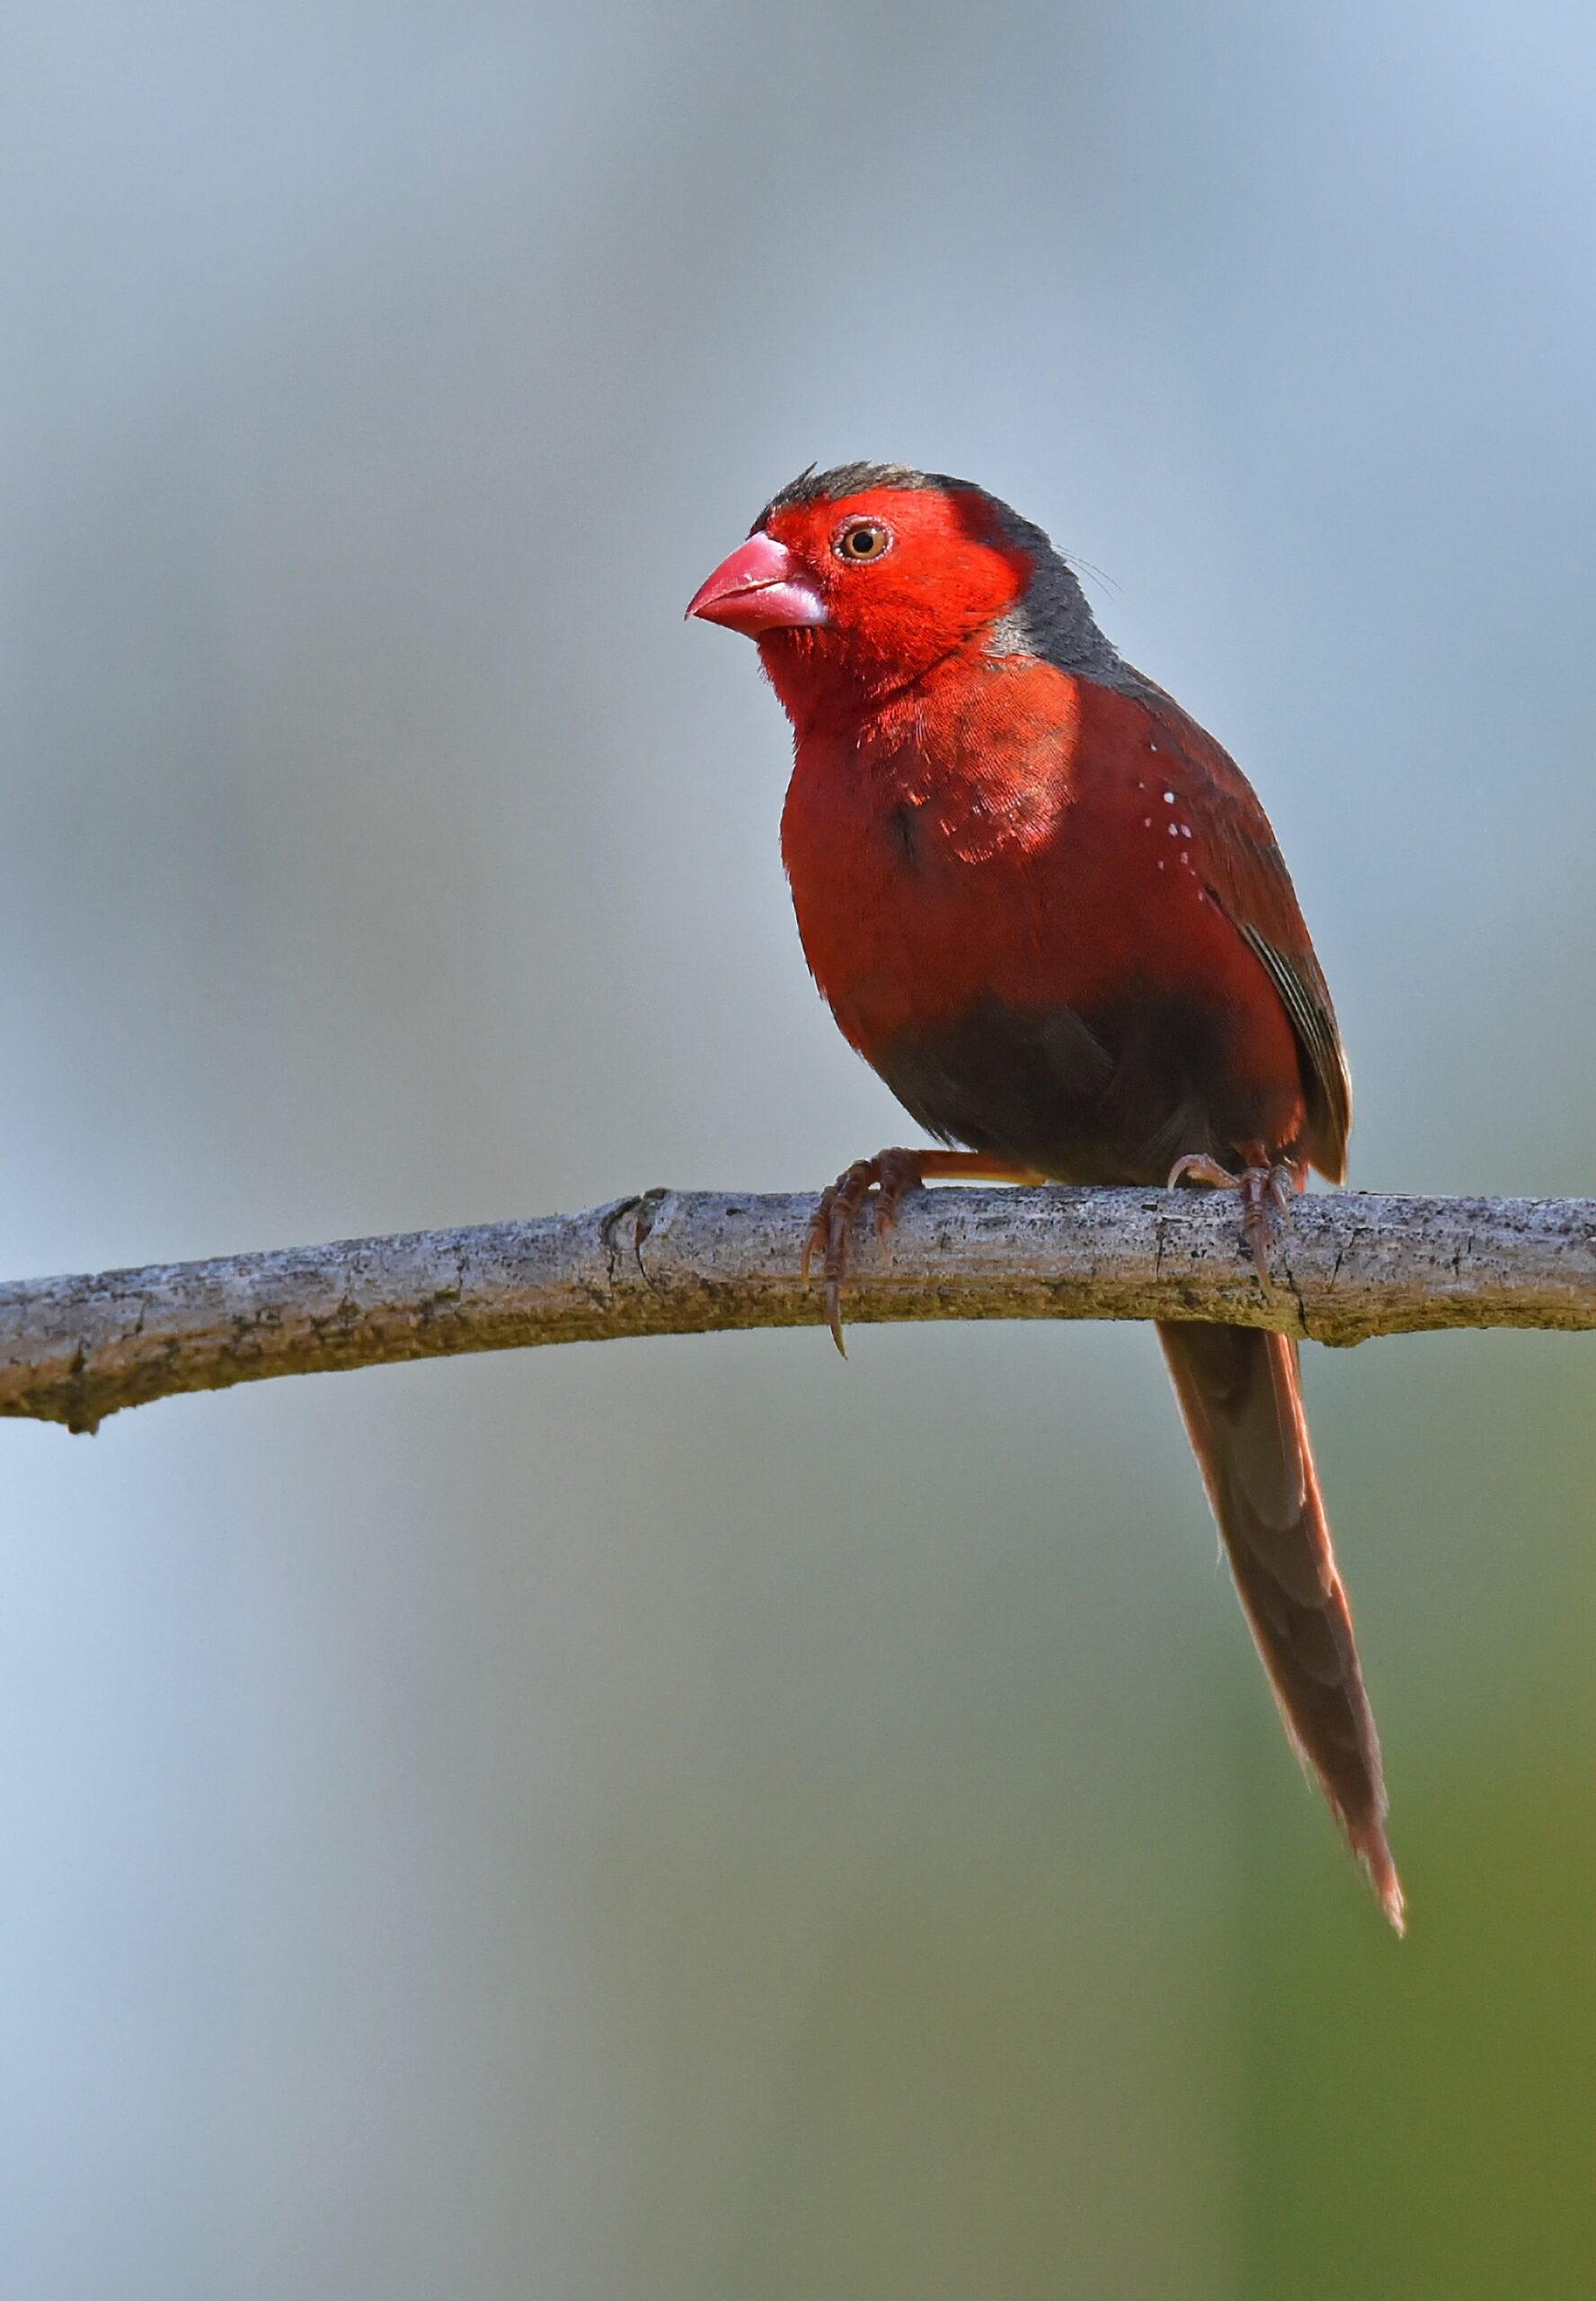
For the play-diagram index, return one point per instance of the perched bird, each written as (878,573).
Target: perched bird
(1050,911)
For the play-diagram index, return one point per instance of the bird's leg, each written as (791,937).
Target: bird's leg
(891,1175)
(1266,1186)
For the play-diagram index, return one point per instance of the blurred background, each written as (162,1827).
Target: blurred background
(687,1820)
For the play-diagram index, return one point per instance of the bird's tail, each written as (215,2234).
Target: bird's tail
(1239,1394)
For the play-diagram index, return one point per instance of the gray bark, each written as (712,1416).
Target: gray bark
(74,1350)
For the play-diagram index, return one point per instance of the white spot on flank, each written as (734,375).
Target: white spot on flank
(1147,823)
(1175,831)
(1186,831)
(1169,798)
(1160,863)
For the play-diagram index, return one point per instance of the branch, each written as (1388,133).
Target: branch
(74,1350)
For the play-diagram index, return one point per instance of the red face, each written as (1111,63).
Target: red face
(868,590)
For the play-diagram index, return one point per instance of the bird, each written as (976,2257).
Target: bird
(1049,911)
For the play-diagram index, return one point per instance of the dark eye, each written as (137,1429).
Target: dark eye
(863,539)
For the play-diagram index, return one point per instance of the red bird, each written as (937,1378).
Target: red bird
(1050,911)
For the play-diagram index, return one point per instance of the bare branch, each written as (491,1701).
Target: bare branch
(74,1350)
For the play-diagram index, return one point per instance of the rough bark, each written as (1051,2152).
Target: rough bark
(74,1350)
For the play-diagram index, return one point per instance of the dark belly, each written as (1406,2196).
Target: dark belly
(1116,1096)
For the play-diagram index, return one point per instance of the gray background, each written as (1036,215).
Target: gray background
(687,1819)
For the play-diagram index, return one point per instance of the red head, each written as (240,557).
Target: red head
(857,581)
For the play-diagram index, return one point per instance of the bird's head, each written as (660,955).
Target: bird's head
(857,580)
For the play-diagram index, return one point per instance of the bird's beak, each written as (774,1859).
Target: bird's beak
(759,588)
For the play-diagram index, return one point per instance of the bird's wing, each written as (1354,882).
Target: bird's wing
(1298,977)
(1249,881)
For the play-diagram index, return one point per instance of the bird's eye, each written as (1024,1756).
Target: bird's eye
(863,539)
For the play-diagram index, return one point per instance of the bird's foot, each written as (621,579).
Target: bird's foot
(891,1175)
(1266,1188)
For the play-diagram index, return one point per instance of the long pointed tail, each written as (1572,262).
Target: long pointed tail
(1239,1391)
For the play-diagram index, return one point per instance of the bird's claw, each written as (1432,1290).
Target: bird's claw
(1267,1188)
(891,1175)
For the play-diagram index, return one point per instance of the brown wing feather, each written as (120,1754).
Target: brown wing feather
(1249,881)
(1301,982)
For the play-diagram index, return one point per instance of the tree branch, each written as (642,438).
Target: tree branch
(74,1350)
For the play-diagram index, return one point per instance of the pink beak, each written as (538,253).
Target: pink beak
(759,587)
